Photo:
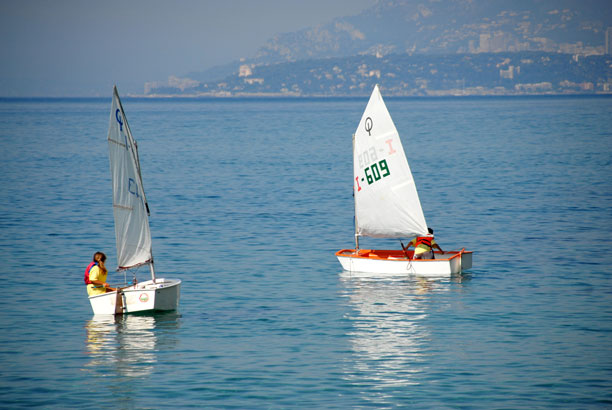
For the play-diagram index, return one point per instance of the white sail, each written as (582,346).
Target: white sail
(386,200)
(129,202)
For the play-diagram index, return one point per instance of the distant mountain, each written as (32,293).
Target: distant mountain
(426,27)
(449,26)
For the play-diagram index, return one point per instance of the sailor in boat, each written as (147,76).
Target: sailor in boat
(423,246)
(95,276)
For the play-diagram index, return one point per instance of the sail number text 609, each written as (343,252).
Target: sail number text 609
(377,171)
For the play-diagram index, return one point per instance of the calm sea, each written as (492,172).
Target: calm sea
(251,198)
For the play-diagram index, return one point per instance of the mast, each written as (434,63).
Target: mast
(355,206)
(152,268)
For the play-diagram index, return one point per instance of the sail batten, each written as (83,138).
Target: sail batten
(121,144)
(132,231)
(387,204)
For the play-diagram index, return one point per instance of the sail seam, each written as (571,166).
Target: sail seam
(386,134)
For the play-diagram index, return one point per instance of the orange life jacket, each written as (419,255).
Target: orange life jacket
(424,240)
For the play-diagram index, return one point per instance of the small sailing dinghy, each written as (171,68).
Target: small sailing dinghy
(132,232)
(387,203)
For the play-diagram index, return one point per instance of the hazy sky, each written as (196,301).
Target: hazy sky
(83,47)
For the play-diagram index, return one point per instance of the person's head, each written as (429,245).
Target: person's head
(430,231)
(100,258)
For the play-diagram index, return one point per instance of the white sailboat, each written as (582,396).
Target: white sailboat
(132,232)
(387,204)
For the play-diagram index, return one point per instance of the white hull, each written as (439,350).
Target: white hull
(164,294)
(393,263)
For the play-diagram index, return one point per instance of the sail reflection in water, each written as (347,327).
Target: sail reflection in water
(389,336)
(127,345)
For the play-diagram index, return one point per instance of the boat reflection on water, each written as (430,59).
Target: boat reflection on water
(390,337)
(127,345)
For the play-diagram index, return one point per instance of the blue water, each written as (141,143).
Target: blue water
(251,198)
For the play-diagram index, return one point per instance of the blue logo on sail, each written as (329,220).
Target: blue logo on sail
(118,117)
(133,188)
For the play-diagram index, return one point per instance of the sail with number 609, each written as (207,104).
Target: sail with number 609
(386,200)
